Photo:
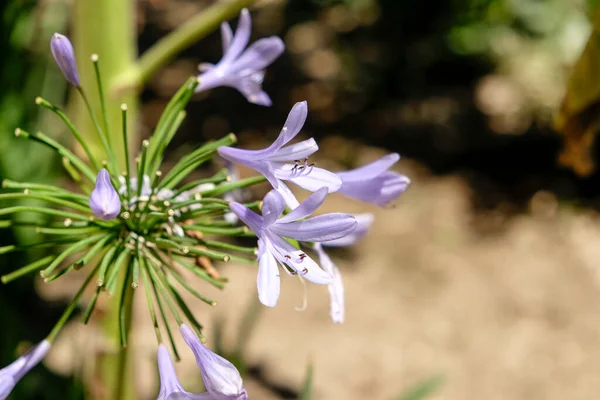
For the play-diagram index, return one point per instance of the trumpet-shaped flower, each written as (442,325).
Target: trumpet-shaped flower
(62,51)
(373,183)
(242,68)
(221,379)
(280,163)
(104,200)
(11,374)
(274,249)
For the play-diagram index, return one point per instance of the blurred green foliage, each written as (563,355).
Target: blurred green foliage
(24,74)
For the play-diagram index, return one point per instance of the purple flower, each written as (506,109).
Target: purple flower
(373,183)
(271,162)
(11,374)
(221,379)
(242,69)
(274,249)
(104,200)
(62,51)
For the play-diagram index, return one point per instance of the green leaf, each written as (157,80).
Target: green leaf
(306,393)
(422,389)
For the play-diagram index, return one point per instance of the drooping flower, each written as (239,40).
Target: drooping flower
(62,51)
(373,183)
(336,287)
(221,379)
(104,200)
(11,374)
(280,163)
(274,249)
(242,68)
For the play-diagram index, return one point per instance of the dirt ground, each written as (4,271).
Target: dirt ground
(508,313)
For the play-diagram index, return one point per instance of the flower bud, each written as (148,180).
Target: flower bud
(104,200)
(63,54)
(220,377)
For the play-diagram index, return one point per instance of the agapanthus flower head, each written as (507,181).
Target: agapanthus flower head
(11,374)
(62,51)
(221,379)
(373,183)
(279,163)
(104,200)
(274,249)
(242,68)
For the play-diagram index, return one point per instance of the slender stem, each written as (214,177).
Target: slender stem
(70,308)
(101,133)
(126,311)
(193,30)
(95,60)
(126,148)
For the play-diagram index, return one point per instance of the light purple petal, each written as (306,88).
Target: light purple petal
(249,217)
(62,51)
(306,208)
(226,36)
(316,179)
(104,200)
(364,224)
(12,373)
(169,383)
(297,151)
(259,55)
(273,206)
(380,191)
(7,384)
(267,280)
(293,125)
(335,288)
(287,195)
(220,377)
(251,87)
(317,229)
(297,260)
(371,170)
(240,39)
(250,160)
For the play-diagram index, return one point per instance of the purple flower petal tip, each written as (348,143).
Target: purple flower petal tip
(62,51)
(374,183)
(220,377)
(11,374)
(104,200)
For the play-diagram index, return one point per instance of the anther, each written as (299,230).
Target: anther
(67,222)
(94,58)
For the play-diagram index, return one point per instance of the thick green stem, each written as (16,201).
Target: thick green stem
(106,28)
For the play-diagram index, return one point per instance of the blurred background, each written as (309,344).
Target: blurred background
(485,272)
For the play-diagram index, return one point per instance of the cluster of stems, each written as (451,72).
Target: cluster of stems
(168,226)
